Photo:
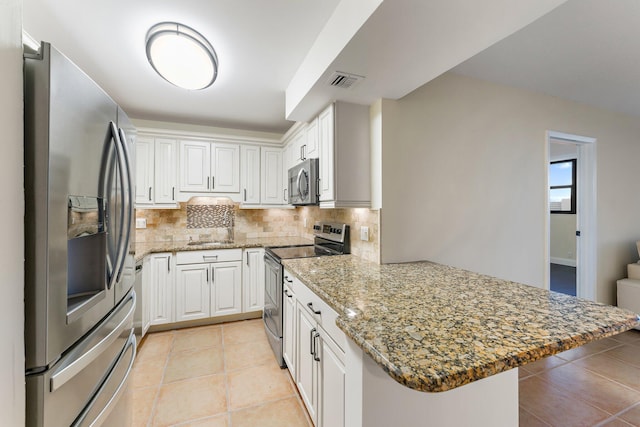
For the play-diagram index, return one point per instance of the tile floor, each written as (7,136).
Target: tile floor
(215,376)
(594,385)
(226,376)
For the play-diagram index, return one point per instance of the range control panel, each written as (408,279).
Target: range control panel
(331,231)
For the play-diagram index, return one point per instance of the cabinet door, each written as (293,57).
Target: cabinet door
(289,331)
(161,289)
(226,288)
(253,280)
(297,144)
(144,170)
(195,166)
(250,166)
(326,154)
(225,168)
(272,189)
(311,144)
(332,382)
(306,368)
(192,291)
(166,165)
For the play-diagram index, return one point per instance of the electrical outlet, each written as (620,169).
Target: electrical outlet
(364,233)
(141,223)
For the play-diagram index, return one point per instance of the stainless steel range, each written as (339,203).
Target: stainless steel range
(329,239)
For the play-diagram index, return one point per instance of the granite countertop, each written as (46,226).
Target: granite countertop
(143,249)
(433,328)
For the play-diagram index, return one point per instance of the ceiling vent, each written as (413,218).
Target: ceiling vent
(344,80)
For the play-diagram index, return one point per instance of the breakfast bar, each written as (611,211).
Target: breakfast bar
(450,339)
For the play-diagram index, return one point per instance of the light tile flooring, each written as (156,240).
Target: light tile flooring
(215,376)
(594,385)
(226,376)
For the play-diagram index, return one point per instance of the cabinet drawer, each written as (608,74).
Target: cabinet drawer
(216,255)
(326,318)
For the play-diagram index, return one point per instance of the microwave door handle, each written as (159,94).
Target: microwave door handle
(298,184)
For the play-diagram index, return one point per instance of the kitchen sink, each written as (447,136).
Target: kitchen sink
(208,243)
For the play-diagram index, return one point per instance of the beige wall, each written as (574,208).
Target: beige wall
(464,165)
(171,224)
(11,219)
(562,243)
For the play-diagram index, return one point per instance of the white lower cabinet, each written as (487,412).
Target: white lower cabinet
(161,288)
(209,283)
(226,284)
(317,360)
(289,331)
(253,280)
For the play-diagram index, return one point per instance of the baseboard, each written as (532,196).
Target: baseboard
(563,261)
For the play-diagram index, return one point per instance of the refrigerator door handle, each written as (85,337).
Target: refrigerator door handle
(129,194)
(115,265)
(68,372)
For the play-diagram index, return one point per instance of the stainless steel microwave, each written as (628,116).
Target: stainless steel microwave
(304,183)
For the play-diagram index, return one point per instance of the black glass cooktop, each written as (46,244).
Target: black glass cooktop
(299,252)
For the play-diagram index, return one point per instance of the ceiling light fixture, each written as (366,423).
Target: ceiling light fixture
(181,55)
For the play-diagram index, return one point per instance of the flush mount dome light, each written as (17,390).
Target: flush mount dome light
(181,55)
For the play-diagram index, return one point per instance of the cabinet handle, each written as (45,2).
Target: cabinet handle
(310,305)
(304,152)
(207,274)
(245,194)
(210,257)
(149,193)
(247,259)
(288,294)
(213,276)
(213,182)
(284,190)
(315,347)
(301,156)
(169,263)
(207,183)
(287,279)
(312,342)
(173,193)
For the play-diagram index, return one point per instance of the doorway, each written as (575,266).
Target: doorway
(570,226)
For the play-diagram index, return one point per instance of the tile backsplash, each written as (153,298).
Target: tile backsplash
(207,219)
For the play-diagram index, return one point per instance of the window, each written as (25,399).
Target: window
(562,187)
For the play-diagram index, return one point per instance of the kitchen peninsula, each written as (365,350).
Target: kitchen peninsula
(434,328)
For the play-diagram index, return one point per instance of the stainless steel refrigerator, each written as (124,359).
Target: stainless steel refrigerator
(79,263)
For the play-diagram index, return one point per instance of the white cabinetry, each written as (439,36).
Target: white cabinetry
(250,166)
(156,171)
(209,167)
(253,280)
(142,317)
(344,153)
(162,287)
(209,283)
(272,188)
(289,331)
(310,150)
(144,170)
(318,357)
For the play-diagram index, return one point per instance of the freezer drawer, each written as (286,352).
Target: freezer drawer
(80,379)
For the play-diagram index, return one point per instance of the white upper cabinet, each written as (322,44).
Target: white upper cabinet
(166,165)
(209,167)
(195,165)
(250,166)
(310,149)
(344,156)
(144,170)
(225,168)
(272,189)
(156,172)
(298,144)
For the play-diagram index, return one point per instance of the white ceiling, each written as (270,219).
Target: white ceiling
(585,50)
(260,45)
